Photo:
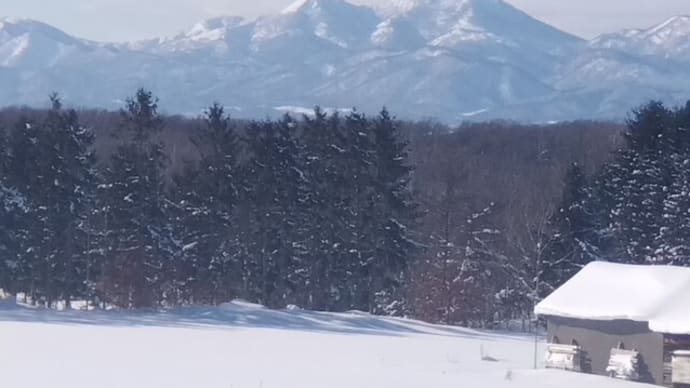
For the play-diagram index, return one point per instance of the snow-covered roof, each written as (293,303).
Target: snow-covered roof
(659,295)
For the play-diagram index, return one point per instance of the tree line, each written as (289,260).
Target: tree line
(461,225)
(315,212)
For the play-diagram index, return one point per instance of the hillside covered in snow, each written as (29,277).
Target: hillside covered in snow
(447,59)
(245,346)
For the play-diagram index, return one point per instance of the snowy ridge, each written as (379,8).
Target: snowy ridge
(419,58)
(213,29)
(677,27)
(295,6)
(659,295)
(667,39)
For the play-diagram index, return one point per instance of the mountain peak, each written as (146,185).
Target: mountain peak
(217,23)
(214,28)
(669,38)
(9,20)
(677,27)
(672,22)
(317,5)
(398,7)
(26,43)
(458,22)
(337,22)
(23,24)
(295,6)
(15,27)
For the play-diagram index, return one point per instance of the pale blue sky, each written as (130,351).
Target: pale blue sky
(117,20)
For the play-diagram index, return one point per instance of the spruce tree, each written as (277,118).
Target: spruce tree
(139,271)
(672,241)
(207,194)
(648,125)
(7,249)
(68,201)
(327,202)
(357,164)
(394,213)
(672,245)
(644,177)
(629,202)
(25,177)
(51,166)
(276,270)
(12,209)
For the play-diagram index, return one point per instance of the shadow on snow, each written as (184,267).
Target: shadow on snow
(240,315)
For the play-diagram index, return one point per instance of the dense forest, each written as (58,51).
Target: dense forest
(462,225)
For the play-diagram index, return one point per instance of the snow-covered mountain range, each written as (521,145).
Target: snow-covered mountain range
(451,60)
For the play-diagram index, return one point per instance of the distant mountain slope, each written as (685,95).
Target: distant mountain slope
(451,60)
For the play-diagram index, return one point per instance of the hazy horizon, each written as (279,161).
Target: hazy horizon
(105,20)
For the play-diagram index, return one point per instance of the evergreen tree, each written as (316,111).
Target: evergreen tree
(24,176)
(643,177)
(65,201)
(12,209)
(51,167)
(629,204)
(276,269)
(671,245)
(394,213)
(648,125)
(327,201)
(672,242)
(140,268)
(356,162)
(207,194)
(7,248)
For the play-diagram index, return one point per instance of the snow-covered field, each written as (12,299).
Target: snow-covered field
(239,345)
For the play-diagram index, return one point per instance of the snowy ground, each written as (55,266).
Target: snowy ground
(245,346)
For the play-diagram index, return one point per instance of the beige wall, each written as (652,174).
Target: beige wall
(596,338)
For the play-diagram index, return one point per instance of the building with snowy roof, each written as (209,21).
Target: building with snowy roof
(625,321)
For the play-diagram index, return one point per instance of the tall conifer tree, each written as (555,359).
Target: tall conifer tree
(207,195)
(395,215)
(139,273)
